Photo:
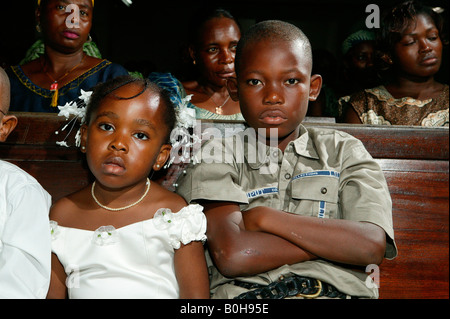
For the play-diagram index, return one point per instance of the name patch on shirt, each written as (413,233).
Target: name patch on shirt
(318,173)
(262,192)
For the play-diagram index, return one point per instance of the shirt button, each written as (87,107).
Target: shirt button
(288,176)
(324,190)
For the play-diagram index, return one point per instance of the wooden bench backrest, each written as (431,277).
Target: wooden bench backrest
(415,162)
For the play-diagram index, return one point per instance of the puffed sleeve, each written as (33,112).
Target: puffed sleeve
(186,226)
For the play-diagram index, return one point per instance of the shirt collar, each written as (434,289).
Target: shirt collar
(303,146)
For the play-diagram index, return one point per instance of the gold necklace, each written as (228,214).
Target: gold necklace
(55,85)
(219,109)
(121,208)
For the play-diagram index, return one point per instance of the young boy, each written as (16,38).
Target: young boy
(305,220)
(24,223)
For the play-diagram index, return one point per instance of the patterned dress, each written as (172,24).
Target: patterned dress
(378,107)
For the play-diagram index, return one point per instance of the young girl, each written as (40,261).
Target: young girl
(411,42)
(118,237)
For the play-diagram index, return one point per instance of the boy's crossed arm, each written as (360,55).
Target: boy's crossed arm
(338,240)
(262,239)
(238,251)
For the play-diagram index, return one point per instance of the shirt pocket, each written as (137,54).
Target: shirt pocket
(316,196)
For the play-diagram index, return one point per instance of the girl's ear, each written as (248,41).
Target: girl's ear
(162,157)
(232,88)
(315,87)
(84,136)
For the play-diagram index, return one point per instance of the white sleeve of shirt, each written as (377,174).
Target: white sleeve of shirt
(25,241)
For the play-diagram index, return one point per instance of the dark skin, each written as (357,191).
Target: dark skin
(274,87)
(360,69)
(362,55)
(117,137)
(214,56)
(417,58)
(7,122)
(63,45)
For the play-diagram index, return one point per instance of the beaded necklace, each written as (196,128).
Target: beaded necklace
(121,208)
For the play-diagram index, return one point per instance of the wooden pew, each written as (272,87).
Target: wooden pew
(415,162)
(32,146)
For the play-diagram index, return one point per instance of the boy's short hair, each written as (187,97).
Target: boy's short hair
(275,30)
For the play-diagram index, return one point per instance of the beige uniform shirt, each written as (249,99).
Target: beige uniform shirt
(323,173)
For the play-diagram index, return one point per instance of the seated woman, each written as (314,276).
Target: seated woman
(410,40)
(212,48)
(59,75)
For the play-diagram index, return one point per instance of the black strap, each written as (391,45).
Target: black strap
(290,287)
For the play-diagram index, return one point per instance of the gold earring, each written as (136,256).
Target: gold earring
(38,28)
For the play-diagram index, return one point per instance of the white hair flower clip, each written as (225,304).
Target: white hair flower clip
(75,111)
(183,138)
(185,115)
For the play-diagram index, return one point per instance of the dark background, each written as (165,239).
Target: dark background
(147,35)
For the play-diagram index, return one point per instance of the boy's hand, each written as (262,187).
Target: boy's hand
(238,251)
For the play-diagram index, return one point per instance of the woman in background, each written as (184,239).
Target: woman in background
(411,41)
(58,76)
(213,37)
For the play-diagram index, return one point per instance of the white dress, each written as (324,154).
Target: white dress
(134,261)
